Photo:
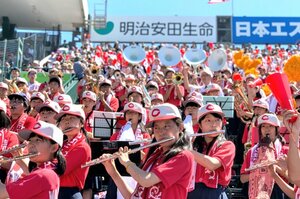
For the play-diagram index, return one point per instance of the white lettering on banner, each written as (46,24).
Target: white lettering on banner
(279,26)
(296,30)
(260,29)
(243,29)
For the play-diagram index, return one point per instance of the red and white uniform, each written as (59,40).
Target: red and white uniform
(24,121)
(225,153)
(173,98)
(174,175)
(40,183)
(88,124)
(74,175)
(112,101)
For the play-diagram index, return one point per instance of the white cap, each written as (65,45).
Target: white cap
(105,81)
(169,69)
(71,109)
(268,118)
(250,76)
(3,106)
(46,130)
(152,83)
(38,95)
(209,108)
(129,77)
(207,71)
(158,96)
(31,70)
(21,80)
(135,89)
(50,104)
(194,99)
(3,85)
(89,94)
(164,111)
(213,87)
(133,106)
(261,103)
(63,99)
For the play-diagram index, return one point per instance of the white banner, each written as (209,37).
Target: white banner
(157,29)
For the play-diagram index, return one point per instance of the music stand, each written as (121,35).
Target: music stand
(225,102)
(106,123)
(100,147)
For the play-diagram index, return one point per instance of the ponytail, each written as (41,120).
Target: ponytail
(61,163)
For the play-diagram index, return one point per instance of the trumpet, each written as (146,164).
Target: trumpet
(29,155)
(100,160)
(177,78)
(17,147)
(261,165)
(207,133)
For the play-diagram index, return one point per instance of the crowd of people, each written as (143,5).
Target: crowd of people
(158,103)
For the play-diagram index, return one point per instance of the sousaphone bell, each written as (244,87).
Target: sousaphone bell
(194,56)
(134,54)
(217,60)
(169,56)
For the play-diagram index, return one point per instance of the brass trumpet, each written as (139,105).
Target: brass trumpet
(177,78)
(114,156)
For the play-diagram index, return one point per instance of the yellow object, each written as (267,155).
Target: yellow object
(291,68)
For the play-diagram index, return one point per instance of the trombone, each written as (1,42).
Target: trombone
(114,156)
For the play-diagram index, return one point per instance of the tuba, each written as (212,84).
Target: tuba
(217,60)
(169,55)
(134,54)
(194,56)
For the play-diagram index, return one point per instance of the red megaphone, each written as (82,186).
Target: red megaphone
(279,85)
(257,82)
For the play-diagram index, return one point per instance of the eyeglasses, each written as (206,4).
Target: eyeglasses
(15,101)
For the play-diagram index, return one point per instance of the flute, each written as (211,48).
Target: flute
(20,146)
(207,133)
(140,142)
(261,165)
(29,155)
(100,160)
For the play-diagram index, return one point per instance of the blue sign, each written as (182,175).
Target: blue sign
(262,30)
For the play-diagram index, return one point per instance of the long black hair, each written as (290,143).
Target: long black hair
(199,142)
(180,145)
(59,159)
(266,141)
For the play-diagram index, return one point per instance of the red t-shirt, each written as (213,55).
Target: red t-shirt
(114,105)
(29,123)
(175,176)
(10,140)
(225,154)
(74,175)
(41,183)
(172,98)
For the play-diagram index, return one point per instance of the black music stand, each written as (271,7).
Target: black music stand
(106,124)
(98,171)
